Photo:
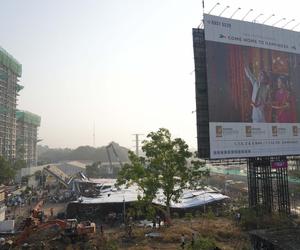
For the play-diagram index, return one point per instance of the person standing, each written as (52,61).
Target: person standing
(101,229)
(193,240)
(282,102)
(130,231)
(238,217)
(182,239)
(158,220)
(154,223)
(51,211)
(261,95)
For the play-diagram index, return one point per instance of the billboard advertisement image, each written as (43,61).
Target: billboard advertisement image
(253,80)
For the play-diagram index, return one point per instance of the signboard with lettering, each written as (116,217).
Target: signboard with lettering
(279,164)
(253,81)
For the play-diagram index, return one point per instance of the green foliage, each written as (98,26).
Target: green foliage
(189,216)
(198,214)
(18,164)
(7,171)
(209,214)
(142,207)
(203,243)
(165,167)
(175,215)
(48,155)
(110,245)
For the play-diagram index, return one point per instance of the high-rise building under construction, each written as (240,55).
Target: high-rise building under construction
(27,126)
(10,71)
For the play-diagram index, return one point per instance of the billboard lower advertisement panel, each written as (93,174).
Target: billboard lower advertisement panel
(253,89)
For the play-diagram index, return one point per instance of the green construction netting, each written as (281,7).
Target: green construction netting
(3,75)
(19,87)
(28,117)
(7,60)
(3,109)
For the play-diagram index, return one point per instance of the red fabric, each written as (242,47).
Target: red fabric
(238,85)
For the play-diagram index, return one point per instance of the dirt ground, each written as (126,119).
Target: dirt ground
(224,232)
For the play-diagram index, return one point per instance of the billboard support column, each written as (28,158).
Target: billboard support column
(268,184)
(282,187)
(260,191)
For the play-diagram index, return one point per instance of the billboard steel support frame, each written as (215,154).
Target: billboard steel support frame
(268,187)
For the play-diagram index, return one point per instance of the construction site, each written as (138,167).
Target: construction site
(81,213)
(238,190)
(19,129)
(61,208)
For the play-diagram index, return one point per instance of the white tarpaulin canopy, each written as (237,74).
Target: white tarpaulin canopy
(188,199)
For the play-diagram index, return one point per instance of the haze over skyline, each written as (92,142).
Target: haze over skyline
(126,65)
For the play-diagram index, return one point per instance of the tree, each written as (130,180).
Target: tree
(7,171)
(18,164)
(166,167)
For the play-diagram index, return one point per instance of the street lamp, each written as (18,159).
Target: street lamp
(282,19)
(288,23)
(235,12)
(227,7)
(268,18)
(213,7)
(295,26)
(124,208)
(247,14)
(254,20)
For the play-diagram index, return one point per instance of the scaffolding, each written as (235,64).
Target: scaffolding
(10,70)
(10,62)
(27,126)
(28,117)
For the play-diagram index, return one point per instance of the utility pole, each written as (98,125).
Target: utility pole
(137,143)
(94,136)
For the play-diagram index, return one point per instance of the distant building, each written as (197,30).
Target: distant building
(27,130)
(10,71)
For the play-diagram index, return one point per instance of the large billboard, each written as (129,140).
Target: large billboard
(253,80)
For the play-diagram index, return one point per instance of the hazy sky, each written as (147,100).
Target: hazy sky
(125,64)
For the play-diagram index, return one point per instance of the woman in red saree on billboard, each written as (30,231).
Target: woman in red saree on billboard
(283,103)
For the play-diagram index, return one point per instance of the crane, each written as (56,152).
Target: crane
(111,145)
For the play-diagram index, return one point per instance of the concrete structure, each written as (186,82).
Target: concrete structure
(27,126)
(10,71)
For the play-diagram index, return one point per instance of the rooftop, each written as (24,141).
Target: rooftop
(10,62)
(28,117)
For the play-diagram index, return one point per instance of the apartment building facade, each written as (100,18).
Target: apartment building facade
(10,71)
(27,137)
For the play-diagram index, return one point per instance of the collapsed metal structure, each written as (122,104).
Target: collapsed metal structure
(268,186)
